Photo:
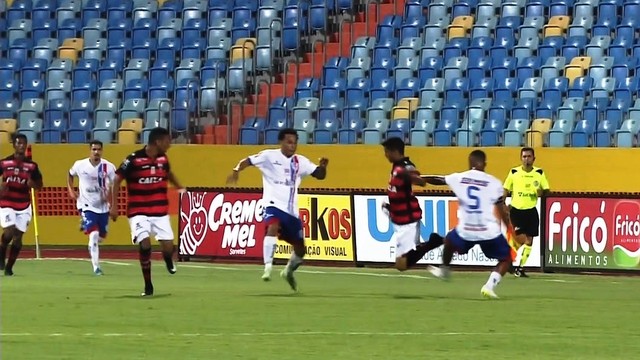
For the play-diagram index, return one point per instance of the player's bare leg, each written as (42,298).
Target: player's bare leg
(145,265)
(443,272)
(488,290)
(268,249)
(527,242)
(14,251)
(411,258)
(294,263)
(168,249)
(7,236)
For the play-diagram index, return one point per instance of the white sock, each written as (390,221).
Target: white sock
(494,280)
(94,251)
(268,249)
(294,262)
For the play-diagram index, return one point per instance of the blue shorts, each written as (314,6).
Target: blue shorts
(93,221)
(497,248)
(290,226)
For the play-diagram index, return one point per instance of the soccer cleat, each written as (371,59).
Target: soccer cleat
(148,291)
(439,272)
(520,273)
(488,293)
(266,275)
(288,276)
(2,265)
(8,272)
(171,268)
(98,272)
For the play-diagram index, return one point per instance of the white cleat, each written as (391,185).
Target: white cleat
(440,273)
(488,293)
(266,275)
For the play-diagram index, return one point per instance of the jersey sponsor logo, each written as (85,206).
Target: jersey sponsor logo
(17,179)
(150,180)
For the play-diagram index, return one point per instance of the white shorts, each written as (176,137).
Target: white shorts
(143,227)
(406,237)
(20,219)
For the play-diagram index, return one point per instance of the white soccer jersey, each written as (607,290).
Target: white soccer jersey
(93,183)
(281,177)
(477,193)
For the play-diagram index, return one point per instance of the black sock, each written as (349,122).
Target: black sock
(4,244)
(414,256)
(13,255)
(145,264)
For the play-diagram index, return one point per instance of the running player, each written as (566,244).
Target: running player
(19,175)
(481,197)
(282,171)
(403,207)
(95,176)
(525,184)
(147,172)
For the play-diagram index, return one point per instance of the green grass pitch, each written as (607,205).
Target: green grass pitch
(56,309)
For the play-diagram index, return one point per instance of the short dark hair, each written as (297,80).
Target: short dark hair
(96,142)
(288,131)
(478,155)
(394,144)
(19,136)
(157,133)
(528,149)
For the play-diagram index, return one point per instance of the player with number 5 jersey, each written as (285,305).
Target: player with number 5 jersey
(482,211)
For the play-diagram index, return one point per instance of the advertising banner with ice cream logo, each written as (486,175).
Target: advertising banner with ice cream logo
(592,233)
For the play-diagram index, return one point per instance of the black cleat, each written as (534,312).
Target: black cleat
(8,272)
(520,273)
(171,268)
(148,291)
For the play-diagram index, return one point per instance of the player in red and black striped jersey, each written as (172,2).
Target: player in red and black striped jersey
(404,209)
(147,172)
(19,175)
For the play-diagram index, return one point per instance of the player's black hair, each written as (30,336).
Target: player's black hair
(157,133)
(394,144)
(96,142)
(288,131)
(478,155)
(528,149)
(19,136)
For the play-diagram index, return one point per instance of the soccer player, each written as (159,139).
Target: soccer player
(282,171)
(481,198)
(146,173)
(95,176)
(19,175)
(525,184)
(403,207)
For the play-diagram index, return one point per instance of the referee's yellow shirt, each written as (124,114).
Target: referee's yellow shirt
(524,186)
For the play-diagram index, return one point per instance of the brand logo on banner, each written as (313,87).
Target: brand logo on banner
(593,233)
(327,228)
(374,231)
(221,224)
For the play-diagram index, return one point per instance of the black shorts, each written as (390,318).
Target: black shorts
(525,221)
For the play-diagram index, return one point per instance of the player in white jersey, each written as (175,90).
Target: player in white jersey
(95,176)
(282,171)
(482,211)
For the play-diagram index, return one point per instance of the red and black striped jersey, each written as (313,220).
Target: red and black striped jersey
(404,207)
(146,179)
(15,174)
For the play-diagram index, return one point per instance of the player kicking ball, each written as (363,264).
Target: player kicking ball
(282,171)
(95,176)
(481,197)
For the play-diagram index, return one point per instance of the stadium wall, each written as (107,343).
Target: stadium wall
(351,167)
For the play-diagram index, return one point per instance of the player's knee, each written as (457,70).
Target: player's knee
(272,230)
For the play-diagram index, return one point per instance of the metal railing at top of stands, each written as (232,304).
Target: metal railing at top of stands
(230,116)
(190,98)
(367,15)
(285,77)
(219,98)
(257,91)
(272,52)
(161,113)
(340,32)
(313,57)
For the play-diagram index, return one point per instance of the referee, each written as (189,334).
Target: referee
(525,184)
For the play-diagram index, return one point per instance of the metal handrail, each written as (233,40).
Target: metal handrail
(340,26)
(313,57)
(218,89)
(366,13)
(189,99)
(257,89)
(160,112)
(285,76)
(271,53)
(230,116)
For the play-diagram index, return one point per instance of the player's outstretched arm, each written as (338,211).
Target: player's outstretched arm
(503,212)
(434,180)
(243,164)
(36,182)
(320,172)
(174,181)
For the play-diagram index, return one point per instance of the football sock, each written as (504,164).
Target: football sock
(167,256)
(4,244)
(94,251)
(13,255)
(294,262)
(145,264)
(413,256)
(268,249)
(494,280)
(526,251)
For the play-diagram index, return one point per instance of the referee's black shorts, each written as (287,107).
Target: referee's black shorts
(525,221)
